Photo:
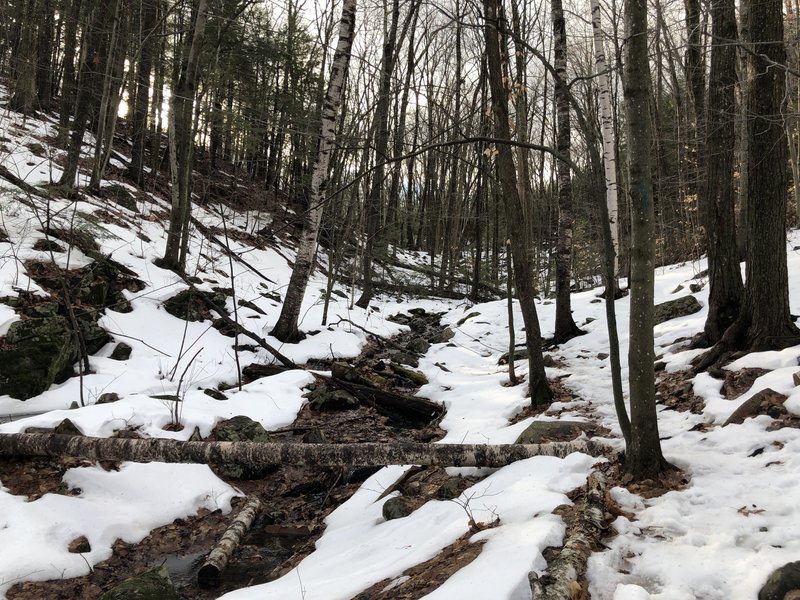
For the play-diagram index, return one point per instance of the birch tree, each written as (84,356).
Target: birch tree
(286,328)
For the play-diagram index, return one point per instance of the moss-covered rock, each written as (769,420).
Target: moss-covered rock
(672,309)
(36,353)
(152,585)
(243,429)
(546,431)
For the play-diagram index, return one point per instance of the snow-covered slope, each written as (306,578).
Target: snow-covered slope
(719,538)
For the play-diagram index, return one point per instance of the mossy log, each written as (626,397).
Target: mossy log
(255,453)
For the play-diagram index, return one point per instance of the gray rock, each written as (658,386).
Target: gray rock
(766,402)
(215,394)
(540,431)
(325,399)
(67,427)
(672,309)
(122,351)
(782,582)
(243,429)
(396,508)
(152,585)
(418,345)
(445,335)
(463,320)
(449,489)
(37,352)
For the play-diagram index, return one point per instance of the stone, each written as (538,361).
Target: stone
(404,358)
(602,355)
(345,372)
(463,320)
(396,508)
(672,309)
(107,398)
(215,394)
(324,399)
(418,345)
(67,427)
(542,431)
(766,402)
(519,354)
(449,489)
(677,289)
(37,352)
(187,305)
(94,336)
(121,351)
(79,545)
(445,335)
(45,245)
(547,360)
(419,325)
(151,585)
(796,378)
(782,583)
(251,305)
(243,429)
(417,312)
(696,287)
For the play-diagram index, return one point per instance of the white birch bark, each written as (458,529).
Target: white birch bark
(607,130)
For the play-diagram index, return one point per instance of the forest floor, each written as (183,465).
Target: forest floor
(716,530)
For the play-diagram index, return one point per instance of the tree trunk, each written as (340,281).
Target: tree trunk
(565,327)
(286,328)
(68,83)
(89,87)
(181,144)
(23,100)
(643,455)
(147,42)
(718,200)
(538,387)
(255,453)
(381,127)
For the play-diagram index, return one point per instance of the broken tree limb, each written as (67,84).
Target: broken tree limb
(255,453)
(218,558)
(562,578)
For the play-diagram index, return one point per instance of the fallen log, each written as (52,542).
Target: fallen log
(420,411)
(562,579)
(255,453)
(218,558)
(20,183)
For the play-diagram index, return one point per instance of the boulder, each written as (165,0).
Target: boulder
(396,508)
(37,352)
(445,335)
(122,351)
(418,345)
(672,309)
(546,431)
(766,402)
(782,583)
(243,429)
(325,399)
(79,545)
(151,585)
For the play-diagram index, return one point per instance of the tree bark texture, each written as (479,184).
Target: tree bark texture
(583,536)
(767,286)
(254,453)
(607,133)
(643,455)
(565,327)
(286,328)
(147,41)
(538,387)
(23,100)
(718,199)
(218,558)
(181,143)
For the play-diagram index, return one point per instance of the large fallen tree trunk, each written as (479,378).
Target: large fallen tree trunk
(254,453)
(562,579)
(218,558)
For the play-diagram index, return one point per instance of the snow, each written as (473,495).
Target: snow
(720,537)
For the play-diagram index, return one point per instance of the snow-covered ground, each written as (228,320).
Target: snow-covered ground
(736,521)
